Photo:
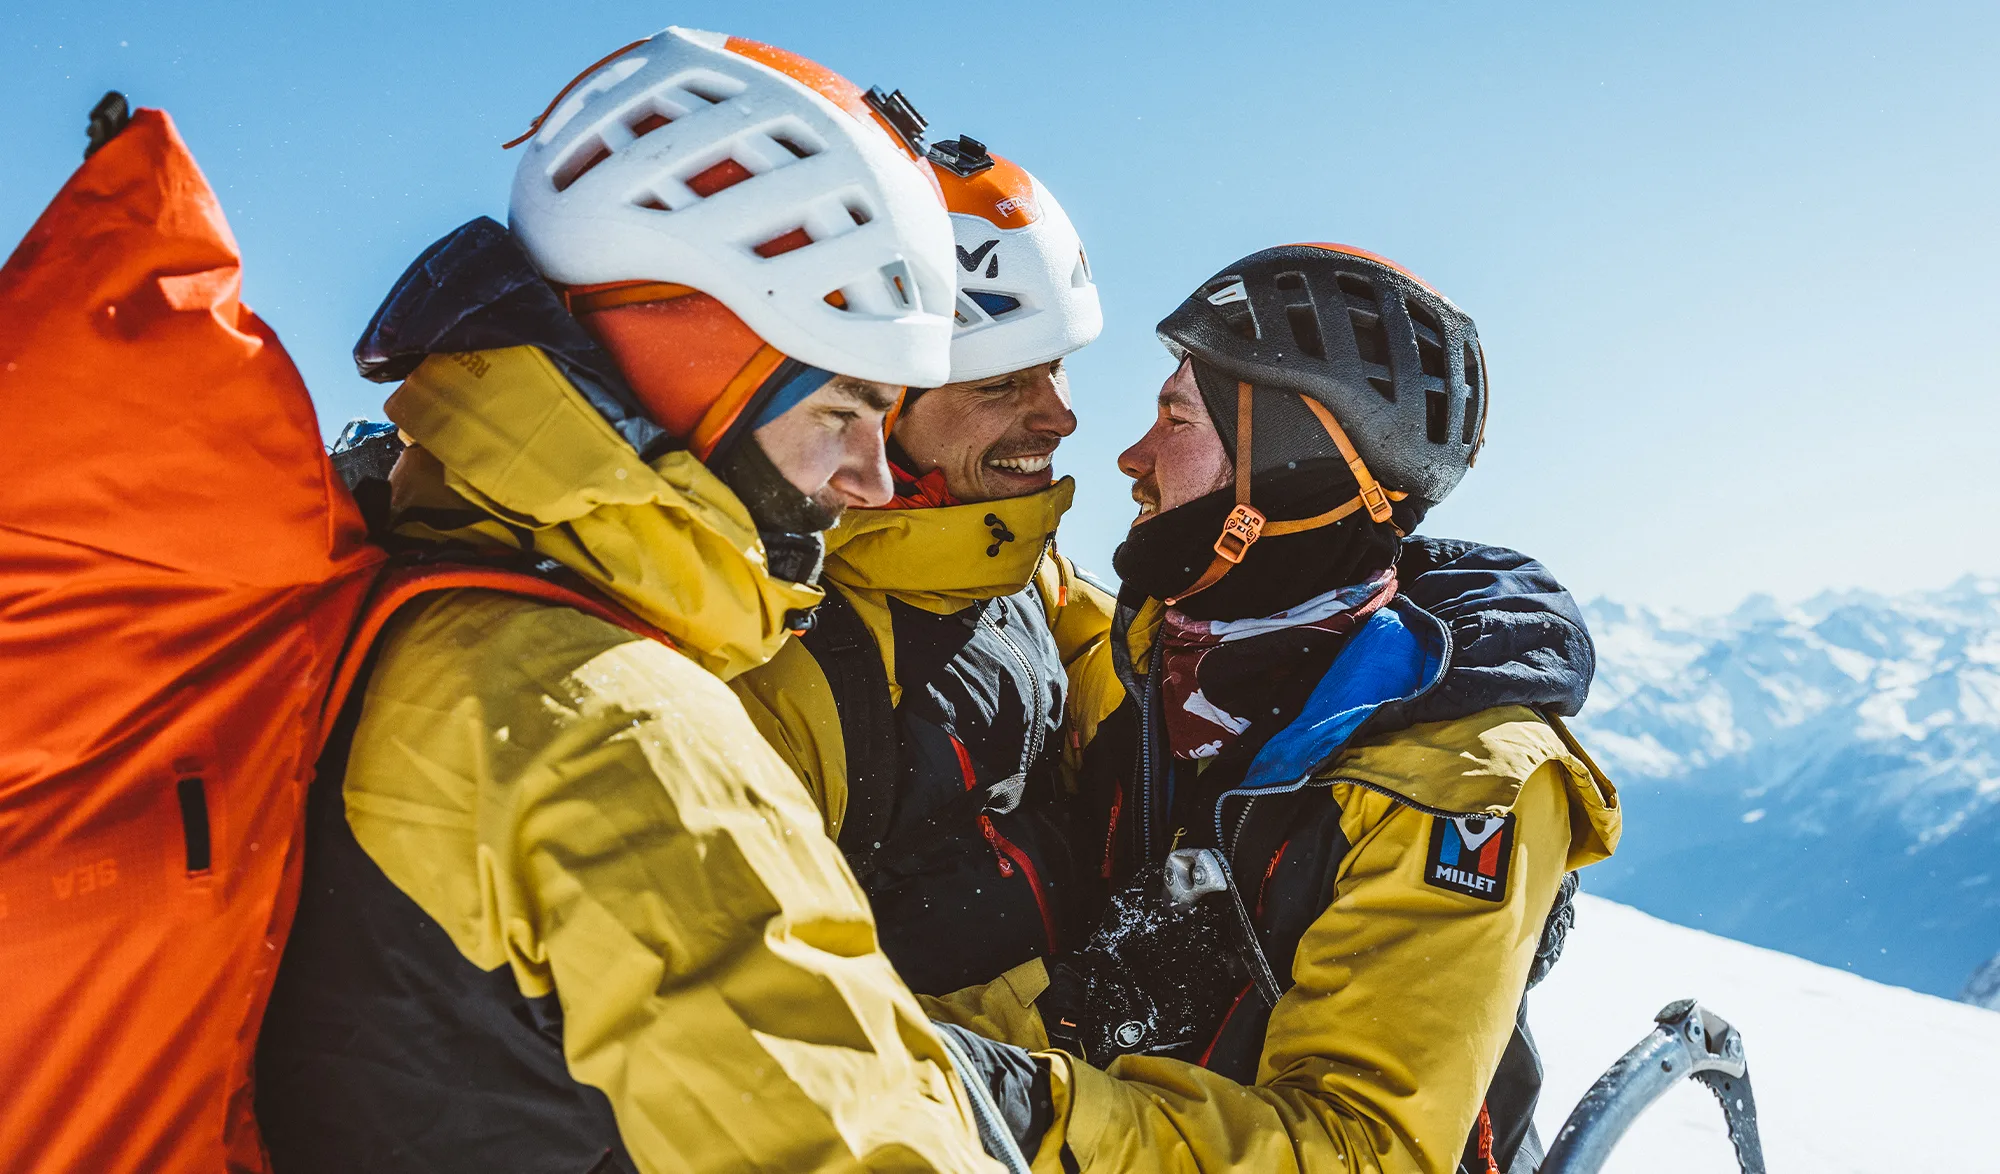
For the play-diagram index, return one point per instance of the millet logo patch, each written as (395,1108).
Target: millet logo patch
(1470,855)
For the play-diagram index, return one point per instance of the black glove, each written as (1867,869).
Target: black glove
(1018,1083)
(1156,978)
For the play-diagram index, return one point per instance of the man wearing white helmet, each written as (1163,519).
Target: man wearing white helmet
(926,709)
(562,908)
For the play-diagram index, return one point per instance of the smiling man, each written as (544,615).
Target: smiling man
(1336,803)
(926,710)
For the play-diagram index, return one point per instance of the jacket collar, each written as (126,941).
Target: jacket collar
(1473,628)
(942,558)
(509,454)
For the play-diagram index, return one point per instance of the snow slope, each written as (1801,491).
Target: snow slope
(1823,779)
(1851,1076)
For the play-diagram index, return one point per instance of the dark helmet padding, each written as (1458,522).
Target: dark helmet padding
(1394,361)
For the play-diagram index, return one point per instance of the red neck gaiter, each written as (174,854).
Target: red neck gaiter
(1224,681)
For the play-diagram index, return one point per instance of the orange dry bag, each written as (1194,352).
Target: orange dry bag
(182,580)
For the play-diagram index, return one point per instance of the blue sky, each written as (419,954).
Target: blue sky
(1733,265)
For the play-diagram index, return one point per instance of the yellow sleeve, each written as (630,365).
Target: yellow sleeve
(1003,1009)
(791,704)
(1377,1058)
(596,813)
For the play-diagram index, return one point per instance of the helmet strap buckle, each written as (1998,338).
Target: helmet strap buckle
(1377,502)
(1241,529)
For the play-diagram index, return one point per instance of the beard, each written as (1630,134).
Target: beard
(789,522)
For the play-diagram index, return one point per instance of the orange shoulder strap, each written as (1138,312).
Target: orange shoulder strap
(400,585)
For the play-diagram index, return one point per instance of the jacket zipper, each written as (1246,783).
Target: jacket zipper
(1037,719)
(1005,849)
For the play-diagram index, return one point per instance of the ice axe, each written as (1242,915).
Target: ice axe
(1687,1040)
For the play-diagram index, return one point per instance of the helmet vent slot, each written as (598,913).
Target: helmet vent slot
(902,284)
(588,154)
(784,242)
(708,89)
(653,120)
(724,175)
(1437,407)
(1468,432)
(1357,287)
(1386,387)
(795,145)
(1430,343)
(995,304)
(1291,281)
(1371,339)
(1305,327)
(858,214)
(654,203)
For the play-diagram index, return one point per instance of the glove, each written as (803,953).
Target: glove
(1017,1081)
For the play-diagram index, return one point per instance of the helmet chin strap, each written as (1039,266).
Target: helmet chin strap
(1246,523)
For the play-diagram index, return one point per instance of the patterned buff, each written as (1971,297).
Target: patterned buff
(1228,679)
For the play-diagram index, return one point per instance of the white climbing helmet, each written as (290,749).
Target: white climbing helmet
(1025,294)
(758,177)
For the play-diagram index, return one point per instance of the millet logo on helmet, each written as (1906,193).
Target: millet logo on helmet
(970,261)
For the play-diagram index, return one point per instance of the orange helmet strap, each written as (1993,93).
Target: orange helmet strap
(1246,523)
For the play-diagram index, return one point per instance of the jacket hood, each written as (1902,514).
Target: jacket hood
(1517,637)
(517,444)
(476,290)
(940,558)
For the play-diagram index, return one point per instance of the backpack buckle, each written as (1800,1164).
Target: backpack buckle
(1239,530)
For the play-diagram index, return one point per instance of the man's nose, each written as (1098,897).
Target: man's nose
(1137,461)
(863,477)
(1048,408)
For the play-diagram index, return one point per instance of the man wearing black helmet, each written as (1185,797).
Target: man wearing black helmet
(1340,809)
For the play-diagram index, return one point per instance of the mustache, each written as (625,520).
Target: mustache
(1022,446)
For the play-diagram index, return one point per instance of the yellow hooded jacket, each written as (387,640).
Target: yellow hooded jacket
(568,910)
(933,559)
(1401,995)
(940,665)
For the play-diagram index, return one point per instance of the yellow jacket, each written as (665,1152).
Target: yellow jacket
(936,560)
(1402,996)
(594,816)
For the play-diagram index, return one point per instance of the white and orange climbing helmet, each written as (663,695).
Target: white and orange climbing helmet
(762,179)
(1025,294)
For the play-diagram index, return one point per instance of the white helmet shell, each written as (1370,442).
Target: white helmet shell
(1025,293)
(756,177)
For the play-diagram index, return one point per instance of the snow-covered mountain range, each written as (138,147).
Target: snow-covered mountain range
(1822,779)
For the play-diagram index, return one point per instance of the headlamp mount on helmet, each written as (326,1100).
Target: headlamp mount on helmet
(964,156)
(901,116)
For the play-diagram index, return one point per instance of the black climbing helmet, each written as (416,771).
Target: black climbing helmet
(1392,359)
(1309,352)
